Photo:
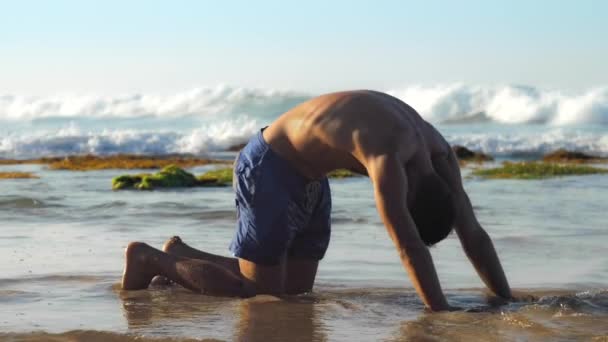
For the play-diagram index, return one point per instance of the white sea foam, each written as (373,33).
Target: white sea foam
(194,102)
(211,119)
(508,104)
(73,140)
(219,136)
(532,144)
(455,102)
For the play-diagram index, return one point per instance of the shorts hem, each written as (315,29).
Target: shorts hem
(255,258)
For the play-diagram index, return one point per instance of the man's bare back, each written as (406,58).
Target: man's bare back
(284,204)
(334,130)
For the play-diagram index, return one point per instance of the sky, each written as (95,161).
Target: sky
(111,47)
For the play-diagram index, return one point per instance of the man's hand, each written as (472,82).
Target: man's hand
(475,241)
(448,308)
(516,296)
(390,189)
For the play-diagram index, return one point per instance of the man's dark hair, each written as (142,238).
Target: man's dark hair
(432,209)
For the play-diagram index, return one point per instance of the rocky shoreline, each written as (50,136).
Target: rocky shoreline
(172,174)
(91,162)
(17,175)
(175,177)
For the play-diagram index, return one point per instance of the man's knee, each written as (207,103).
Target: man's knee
(263,278)
(300,275)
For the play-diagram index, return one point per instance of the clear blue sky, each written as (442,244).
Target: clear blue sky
(165,46)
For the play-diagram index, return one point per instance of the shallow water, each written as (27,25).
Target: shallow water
(62,239)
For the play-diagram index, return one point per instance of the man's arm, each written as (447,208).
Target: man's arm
(390,188)
(474,239)
(479,248)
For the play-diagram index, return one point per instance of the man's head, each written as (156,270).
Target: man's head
(432,208)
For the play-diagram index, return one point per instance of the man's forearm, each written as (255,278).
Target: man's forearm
(390,188)
(419,265)
(482,254)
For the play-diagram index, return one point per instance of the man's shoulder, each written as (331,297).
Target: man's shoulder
(394,140)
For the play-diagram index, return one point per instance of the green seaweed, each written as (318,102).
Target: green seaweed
(466,156)
(566,156)
(120,161)
(219,177)
(125,181)
(223,176)
(342,173)
(536,170)
(174,177)
(170,176)
(17,175)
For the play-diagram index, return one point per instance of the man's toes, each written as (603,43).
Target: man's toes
(134,250)
(135,276)
(173,242)
(160,281)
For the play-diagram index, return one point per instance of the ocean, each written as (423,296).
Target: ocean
(62,236)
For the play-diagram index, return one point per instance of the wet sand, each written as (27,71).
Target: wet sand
(329,314)
(62,238)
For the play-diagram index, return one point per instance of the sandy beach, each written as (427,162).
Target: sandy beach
(63,237)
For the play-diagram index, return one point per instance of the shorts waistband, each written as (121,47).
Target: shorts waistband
(258,145)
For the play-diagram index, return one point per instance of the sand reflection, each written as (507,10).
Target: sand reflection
(266,318)
(178,312)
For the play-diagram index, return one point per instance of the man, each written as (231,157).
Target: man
(283,202)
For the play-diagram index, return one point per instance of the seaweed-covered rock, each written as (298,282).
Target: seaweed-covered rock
(565,156)
(175,177)
(169,177)
(237,147)
(172,177)
(223,177)
(126,181)
(342,173)
(120,161)
(536,170)
(219,177)
(466,155)
(17,175)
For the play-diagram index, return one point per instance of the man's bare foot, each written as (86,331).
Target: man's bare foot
(174,245)
(137,274)
(161,281)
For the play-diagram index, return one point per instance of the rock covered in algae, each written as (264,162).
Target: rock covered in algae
(536,170)
(223,176)
(566,156)
(342,173)
(118,161)
(465,155)
(169,177)
(219,177)
(237,147)
(174,177)
(17,175)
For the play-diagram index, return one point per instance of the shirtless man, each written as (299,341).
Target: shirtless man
(284,204)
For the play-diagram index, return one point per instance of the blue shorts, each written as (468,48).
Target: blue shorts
(279,212)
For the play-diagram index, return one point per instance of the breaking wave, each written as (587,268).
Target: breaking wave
(532,144)
(220,136)
(507,104)
(205,120)
(194,102)
(73,140)
(453,103)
